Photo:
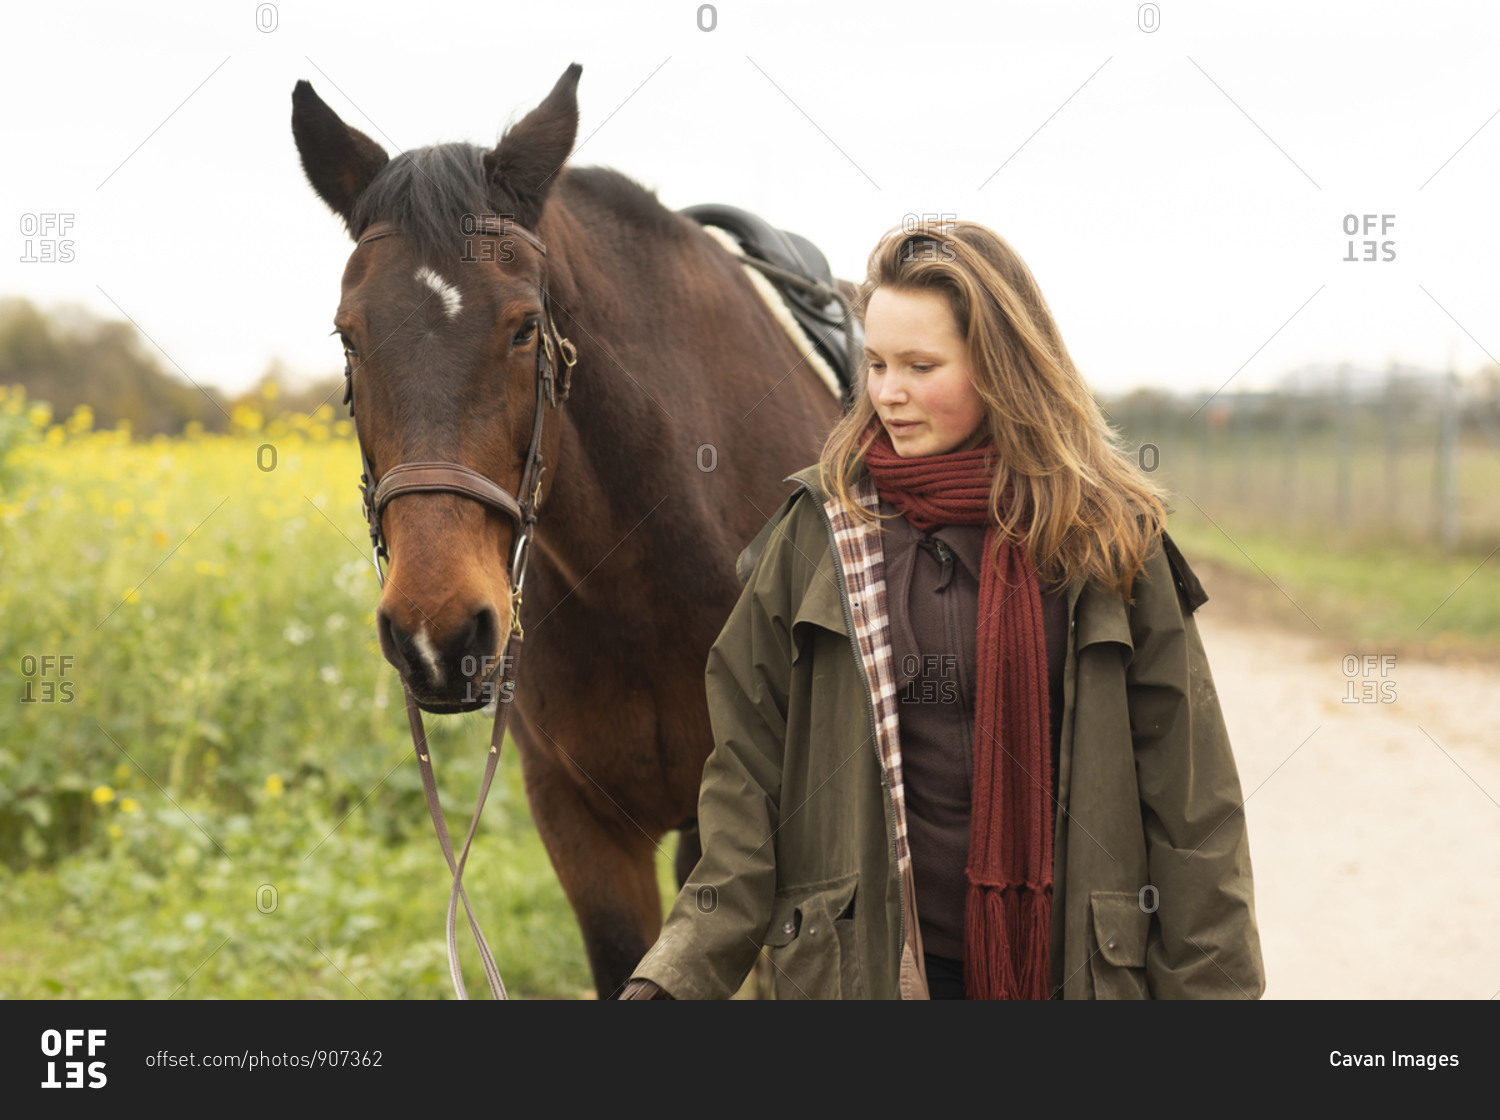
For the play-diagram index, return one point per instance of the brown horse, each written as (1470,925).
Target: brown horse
(688,406)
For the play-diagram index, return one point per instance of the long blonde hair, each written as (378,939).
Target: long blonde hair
(1092,512)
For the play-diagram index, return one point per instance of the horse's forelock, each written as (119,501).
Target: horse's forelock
(428,192)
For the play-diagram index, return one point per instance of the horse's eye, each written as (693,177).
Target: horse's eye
(525,334)
(350,353)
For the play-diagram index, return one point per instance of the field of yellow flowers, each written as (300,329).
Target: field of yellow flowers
(206,788)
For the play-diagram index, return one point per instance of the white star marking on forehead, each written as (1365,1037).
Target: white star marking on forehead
(452,302)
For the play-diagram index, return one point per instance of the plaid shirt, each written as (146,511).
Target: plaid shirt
(862,559)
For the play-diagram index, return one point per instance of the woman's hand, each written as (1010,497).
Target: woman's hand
(643,989)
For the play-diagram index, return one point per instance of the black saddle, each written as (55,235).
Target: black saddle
(821,315)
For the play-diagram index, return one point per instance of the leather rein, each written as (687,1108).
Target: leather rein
(455,478)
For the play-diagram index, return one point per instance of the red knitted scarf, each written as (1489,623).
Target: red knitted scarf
(1008,910)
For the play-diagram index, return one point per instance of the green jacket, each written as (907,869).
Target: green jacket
(801,817)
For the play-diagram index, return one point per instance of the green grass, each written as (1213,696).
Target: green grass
(1398,595)
(284,902)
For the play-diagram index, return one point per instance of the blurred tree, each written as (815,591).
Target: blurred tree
(72,357)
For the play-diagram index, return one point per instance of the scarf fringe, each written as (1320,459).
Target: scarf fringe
(1007,931)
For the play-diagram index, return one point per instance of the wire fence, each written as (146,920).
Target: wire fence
(1397,455)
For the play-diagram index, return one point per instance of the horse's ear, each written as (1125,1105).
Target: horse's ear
(339,161)
(524,165)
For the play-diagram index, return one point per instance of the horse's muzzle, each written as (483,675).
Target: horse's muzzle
(455,672)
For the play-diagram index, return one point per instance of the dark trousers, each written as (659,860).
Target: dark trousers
(945,977)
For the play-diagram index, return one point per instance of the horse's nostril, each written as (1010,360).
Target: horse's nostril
(472,648)
(392,641)
(487,632)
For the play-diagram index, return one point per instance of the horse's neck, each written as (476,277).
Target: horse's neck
(609,470)
(640,412)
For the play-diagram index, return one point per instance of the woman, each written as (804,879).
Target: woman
(968,744)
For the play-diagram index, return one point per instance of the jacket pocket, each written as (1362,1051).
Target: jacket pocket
(811,937)
(1121,928)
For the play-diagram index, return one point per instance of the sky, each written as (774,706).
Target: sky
(1178,176)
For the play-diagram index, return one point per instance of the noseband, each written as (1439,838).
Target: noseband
(455,478)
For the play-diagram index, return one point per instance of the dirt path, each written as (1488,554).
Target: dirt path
(1374,826)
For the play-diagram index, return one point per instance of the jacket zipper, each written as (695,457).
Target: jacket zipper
(950,609)
(859,660)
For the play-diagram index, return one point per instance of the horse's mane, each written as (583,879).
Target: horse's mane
(428,191)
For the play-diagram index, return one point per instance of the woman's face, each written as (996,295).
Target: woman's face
(920,378)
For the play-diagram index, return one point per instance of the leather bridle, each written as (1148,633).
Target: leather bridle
(455,478)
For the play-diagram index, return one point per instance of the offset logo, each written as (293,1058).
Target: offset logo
(45,678)
(1352,227)
(66,1044)
(47,238)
